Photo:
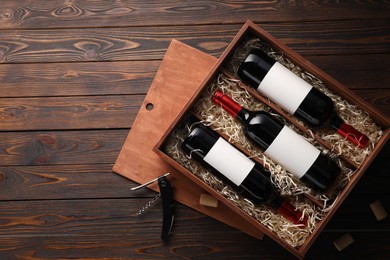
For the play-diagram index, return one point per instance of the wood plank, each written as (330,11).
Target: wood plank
(75,79)
(58,196)
(356,71)
(369,244)
(138,237)
(379,99)
(68,228)
(135,77)
(58,181)
(208,244)
(60,147)
(356,214)
(65,182)
(58,13)
(150,43)
(372,186)
(96,112)
(107,44)
(87,112)
(377,172)
(81,217)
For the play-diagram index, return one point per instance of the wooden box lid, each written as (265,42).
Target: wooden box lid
(179,76)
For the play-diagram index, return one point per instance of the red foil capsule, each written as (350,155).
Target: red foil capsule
(349,132)
(289,212)
(226,103)
(353,135)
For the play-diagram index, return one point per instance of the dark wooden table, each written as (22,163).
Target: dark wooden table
(72,77)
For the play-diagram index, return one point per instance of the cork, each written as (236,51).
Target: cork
(378,210)
(208,200)
(343,242)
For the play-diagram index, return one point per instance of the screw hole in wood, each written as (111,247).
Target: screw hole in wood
(149,106)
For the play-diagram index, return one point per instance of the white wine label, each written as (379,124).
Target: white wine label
(293,152)
(229,161)
(284,88)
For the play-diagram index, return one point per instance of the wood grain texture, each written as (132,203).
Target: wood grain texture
(76,79)
(69,112)
(146,43)
(91,180)
(60,147)
(69,229)
(356,71)
(205,245)
(72,13)
(64,182)
(382,102)
(73,75)
(96,112)
(135,77)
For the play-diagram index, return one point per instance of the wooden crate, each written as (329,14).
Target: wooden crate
(251,31)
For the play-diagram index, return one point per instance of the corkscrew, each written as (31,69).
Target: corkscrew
(148,205)
(166,195)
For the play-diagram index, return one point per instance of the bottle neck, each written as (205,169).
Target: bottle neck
(228,104)
(349,132)
(288,211)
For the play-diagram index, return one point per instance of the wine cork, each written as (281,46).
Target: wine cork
(343,242)
(208,200)
(378,210)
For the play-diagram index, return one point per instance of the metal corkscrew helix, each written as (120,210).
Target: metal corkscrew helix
(166,195)
(148,205)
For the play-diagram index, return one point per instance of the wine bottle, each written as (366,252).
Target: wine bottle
(247,177)
(295,95)
(283,145)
